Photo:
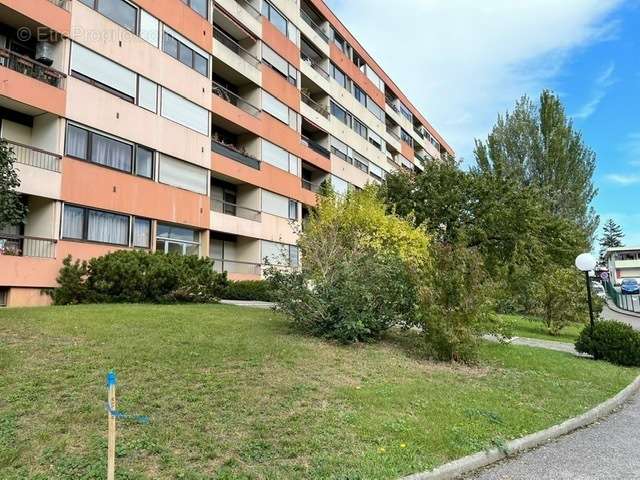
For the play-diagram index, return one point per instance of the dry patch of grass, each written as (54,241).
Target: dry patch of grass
(234,394)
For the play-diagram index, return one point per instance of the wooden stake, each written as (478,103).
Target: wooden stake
(111,449)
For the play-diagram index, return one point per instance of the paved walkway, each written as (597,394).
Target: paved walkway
(248,303)
(606,450)
(538,343)
(633,320)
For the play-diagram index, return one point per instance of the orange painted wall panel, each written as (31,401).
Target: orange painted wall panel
(182,19)
(32,92)
(94,186)
(28,271)
(277,132)
(407,151)
(28,297)
(280,44)
(237,115)
(279,87)
(43,12)
(313,158)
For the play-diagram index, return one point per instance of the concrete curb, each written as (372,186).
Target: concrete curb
(617,309)
(478,460)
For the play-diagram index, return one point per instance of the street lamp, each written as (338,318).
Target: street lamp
(585,263)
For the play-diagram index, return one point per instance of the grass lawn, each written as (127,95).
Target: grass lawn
(233,394)
(531,327)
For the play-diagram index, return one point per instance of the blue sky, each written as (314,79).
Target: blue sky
(462,62)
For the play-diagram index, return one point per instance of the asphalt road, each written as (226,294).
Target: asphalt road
(607,450)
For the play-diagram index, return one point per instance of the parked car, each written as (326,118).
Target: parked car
(598,290)
(630,286)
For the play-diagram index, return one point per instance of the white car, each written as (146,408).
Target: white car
(598,290)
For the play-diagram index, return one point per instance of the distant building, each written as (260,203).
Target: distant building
(623,262)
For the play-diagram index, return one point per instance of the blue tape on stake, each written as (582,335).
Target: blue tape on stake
(111,379)
(123,416)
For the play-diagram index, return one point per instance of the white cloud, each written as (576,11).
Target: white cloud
(623,180)
(600,88)
(462,62)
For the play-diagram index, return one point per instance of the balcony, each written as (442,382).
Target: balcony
(316,147)
(314,26)
(237,267)
(30,67)
(231,44)
(35,157)
(234,153)
(228,208)
(26,246)
(64,4)
(235,99)
(307,100)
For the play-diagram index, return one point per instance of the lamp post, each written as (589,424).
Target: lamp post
(585,263)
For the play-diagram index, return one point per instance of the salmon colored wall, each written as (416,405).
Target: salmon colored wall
(280,44)
(42,11)
(407,151)
(33,92)
(28,271)
(277,132)
(280,88)
(237,115)
(28,297)
(94,186)
(337,24)
(268,177)
(84,250)
(313,158)
(182,19)
(243,276)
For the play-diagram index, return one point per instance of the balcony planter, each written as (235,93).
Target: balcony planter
(234,155)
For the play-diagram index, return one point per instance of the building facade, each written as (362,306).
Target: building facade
(623,262)
(186,126)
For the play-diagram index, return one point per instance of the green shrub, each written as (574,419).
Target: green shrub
(615,342)
(560,299)
(456,307)
(139,277)
(257,290)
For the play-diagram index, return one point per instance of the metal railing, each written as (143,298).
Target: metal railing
(315,65)
(253,11)
(316,28)
(229,152)
(308,185)
(631,303)
(393,134)
(391,102)
(26,246)
(235,266)
(35,157)
(235,47)
(316,147)
(235,99)
(228,208)
(306,99)
(28,66)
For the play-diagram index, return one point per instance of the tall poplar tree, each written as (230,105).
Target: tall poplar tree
(612,236)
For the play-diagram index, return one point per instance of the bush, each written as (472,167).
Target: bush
(257,290)
(615,342)
(139,277)
(560,299)
(456,308)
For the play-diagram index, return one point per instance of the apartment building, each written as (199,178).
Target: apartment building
(187,126)
(622,262)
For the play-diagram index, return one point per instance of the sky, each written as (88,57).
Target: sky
(461,62)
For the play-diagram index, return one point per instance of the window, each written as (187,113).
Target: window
(275,17)
(406,113)
(77,142)
(95,226)
(339,149)
(111,153)
(144,162)
(275,107)
(340,186)
(293,210)
(121,12)
(275,204)
(141,233)
(375,171)
(340,113)
(375,140)
(148,94)
(279,64)
(185,52)
(278,157)
(103,73)
(373,76)
(184,112)
(375,109)
(341,43)
(183,175)
(149,28)
(360,162)
(280,254)
(200,6)
(360,95)
(359,128)
(406,138)
(177,240)
(339,76)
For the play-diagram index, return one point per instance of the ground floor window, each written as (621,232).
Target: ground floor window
(4,296)
(178,240)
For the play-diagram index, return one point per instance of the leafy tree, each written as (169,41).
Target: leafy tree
(536,145)
(559,299)
(612,236)
(12,210)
